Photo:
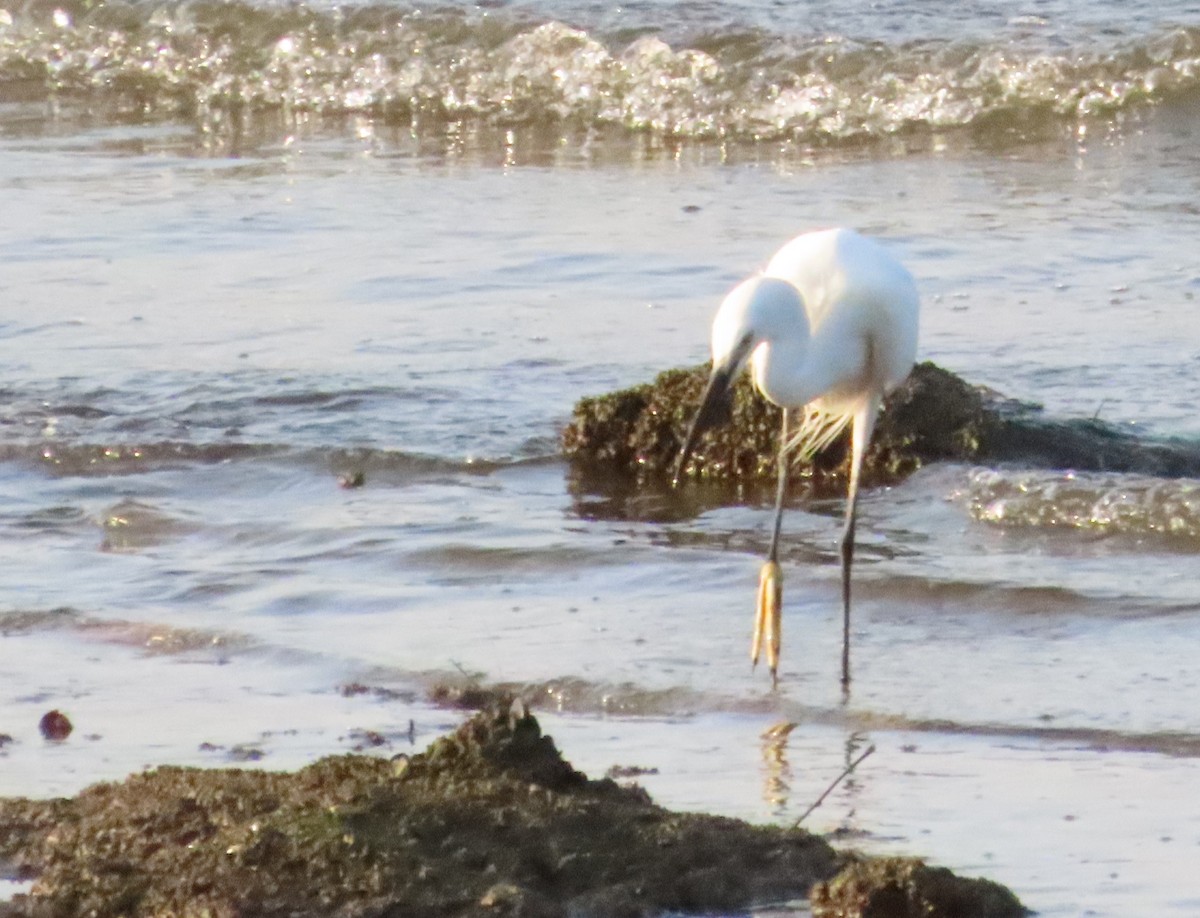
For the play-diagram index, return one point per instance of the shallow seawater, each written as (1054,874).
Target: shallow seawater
(200,337)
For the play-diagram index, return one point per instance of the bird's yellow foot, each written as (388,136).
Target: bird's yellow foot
(768,617)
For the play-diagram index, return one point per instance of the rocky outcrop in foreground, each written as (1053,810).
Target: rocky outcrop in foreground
(490,820)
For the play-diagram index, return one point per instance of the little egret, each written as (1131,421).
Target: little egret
(830,326)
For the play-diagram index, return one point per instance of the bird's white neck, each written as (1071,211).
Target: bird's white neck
(781,372)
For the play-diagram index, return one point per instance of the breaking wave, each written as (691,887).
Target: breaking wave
(1124,505)
(218,62)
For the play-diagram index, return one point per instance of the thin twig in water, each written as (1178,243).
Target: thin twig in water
(471,678)
(849,770)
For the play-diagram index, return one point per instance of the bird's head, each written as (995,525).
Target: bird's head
(756,311)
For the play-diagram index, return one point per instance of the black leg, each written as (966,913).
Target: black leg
(780,489)
(847,564)
(864,424)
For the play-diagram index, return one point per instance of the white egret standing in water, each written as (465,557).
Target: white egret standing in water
(830,326)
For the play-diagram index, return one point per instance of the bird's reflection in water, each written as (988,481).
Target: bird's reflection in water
(853,754)
(778,776)
(777,772)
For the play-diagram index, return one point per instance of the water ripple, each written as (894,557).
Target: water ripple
(216,63)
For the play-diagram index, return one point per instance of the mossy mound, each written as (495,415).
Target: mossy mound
(489,820)
(934,415)
(639,431)
(909,888)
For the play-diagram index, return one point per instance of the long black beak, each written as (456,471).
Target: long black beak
(716,409)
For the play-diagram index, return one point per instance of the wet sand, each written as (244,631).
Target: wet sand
(489,820)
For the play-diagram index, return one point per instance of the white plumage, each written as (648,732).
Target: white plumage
(830,327)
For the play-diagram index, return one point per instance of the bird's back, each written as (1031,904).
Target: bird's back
(853,291)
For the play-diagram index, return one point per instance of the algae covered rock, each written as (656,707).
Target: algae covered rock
(908,888)
(489,820)
(639,431)
(934,415)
